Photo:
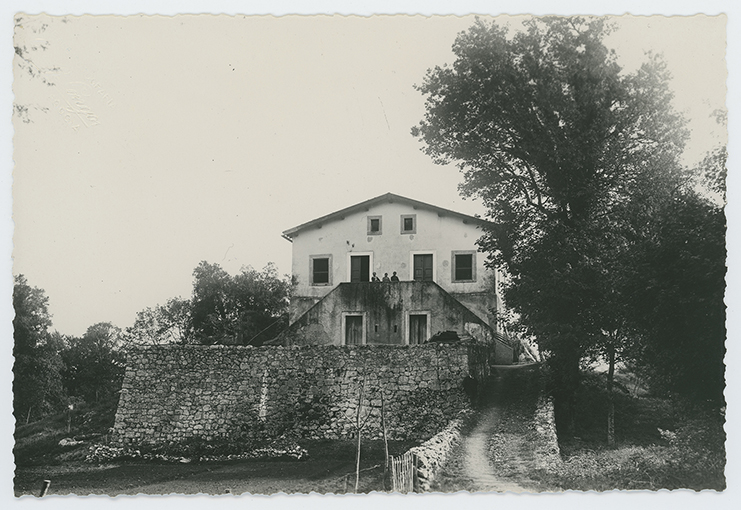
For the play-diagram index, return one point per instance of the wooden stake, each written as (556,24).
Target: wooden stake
(357,428)
(385,442)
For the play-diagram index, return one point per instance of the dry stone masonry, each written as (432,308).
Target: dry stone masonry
(177,393)
(433,453)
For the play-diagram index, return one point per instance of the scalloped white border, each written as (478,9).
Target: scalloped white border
(681,499)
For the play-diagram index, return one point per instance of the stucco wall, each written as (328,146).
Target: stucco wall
(385,308)
(173,393)
(391,250)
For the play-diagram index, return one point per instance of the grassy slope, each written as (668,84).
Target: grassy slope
(330,468)
(38,455)
(38,443)
(689,453)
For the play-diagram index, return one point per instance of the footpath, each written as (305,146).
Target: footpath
(500,451)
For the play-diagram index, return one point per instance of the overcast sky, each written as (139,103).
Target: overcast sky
(204,137)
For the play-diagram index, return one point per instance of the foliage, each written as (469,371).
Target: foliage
(29,48)
(32,318)
(170,323)
(544,125)
(37,385)
(94,363)
(53,371)
(577,163)
(37,388)
(677,298)
(419,417)
(248,308)
(38,443)
(663,444)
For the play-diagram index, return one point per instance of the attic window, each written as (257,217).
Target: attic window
(408,223)
(374,225)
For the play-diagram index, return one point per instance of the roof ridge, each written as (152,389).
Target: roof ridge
(290,233)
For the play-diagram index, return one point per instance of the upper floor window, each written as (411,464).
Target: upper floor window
(321,269)
(408,223)
(464,266)
(375,224)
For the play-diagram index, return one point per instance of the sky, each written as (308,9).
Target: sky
(165,141)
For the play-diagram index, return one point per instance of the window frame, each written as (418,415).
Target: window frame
(380,225)
(454,265)
(312,258)
(413,217)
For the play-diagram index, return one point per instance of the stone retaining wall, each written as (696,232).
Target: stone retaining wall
(547,451)
(177,393)
(433,453)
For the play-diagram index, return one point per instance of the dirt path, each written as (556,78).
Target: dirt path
(470,467)
(497,455)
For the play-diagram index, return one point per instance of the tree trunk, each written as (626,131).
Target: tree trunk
(610,396)
(564,367)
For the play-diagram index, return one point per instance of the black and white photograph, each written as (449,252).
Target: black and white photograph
(369,254)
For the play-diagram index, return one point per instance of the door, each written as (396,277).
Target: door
(417,329)
(423,268)
(360,268)
(353,330)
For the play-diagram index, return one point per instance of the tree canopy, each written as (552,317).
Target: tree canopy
(37,387)
(94,363)
(32,318)
(52,371)
(578,164)
(247,308)
(545,125)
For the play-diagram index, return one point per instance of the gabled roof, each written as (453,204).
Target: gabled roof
(366,205)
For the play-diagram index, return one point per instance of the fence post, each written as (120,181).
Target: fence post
(415,474)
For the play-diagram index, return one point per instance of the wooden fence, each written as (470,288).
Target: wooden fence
(403,472)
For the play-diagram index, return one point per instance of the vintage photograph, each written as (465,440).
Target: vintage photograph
(332,254)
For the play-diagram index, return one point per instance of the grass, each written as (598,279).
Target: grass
(661,443)
(328,468)
(37,443)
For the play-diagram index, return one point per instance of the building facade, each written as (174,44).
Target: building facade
(440,281)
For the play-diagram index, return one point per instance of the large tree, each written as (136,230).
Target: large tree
(171,323)
(32,318)
(37,387)
(677,294)
(94,363)
(247,308)
(556,140)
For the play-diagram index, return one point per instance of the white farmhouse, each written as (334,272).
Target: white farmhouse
(432,277)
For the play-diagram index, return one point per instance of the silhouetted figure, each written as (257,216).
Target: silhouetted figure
(386,277)
(394,278)
(375,278)
(470,386)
